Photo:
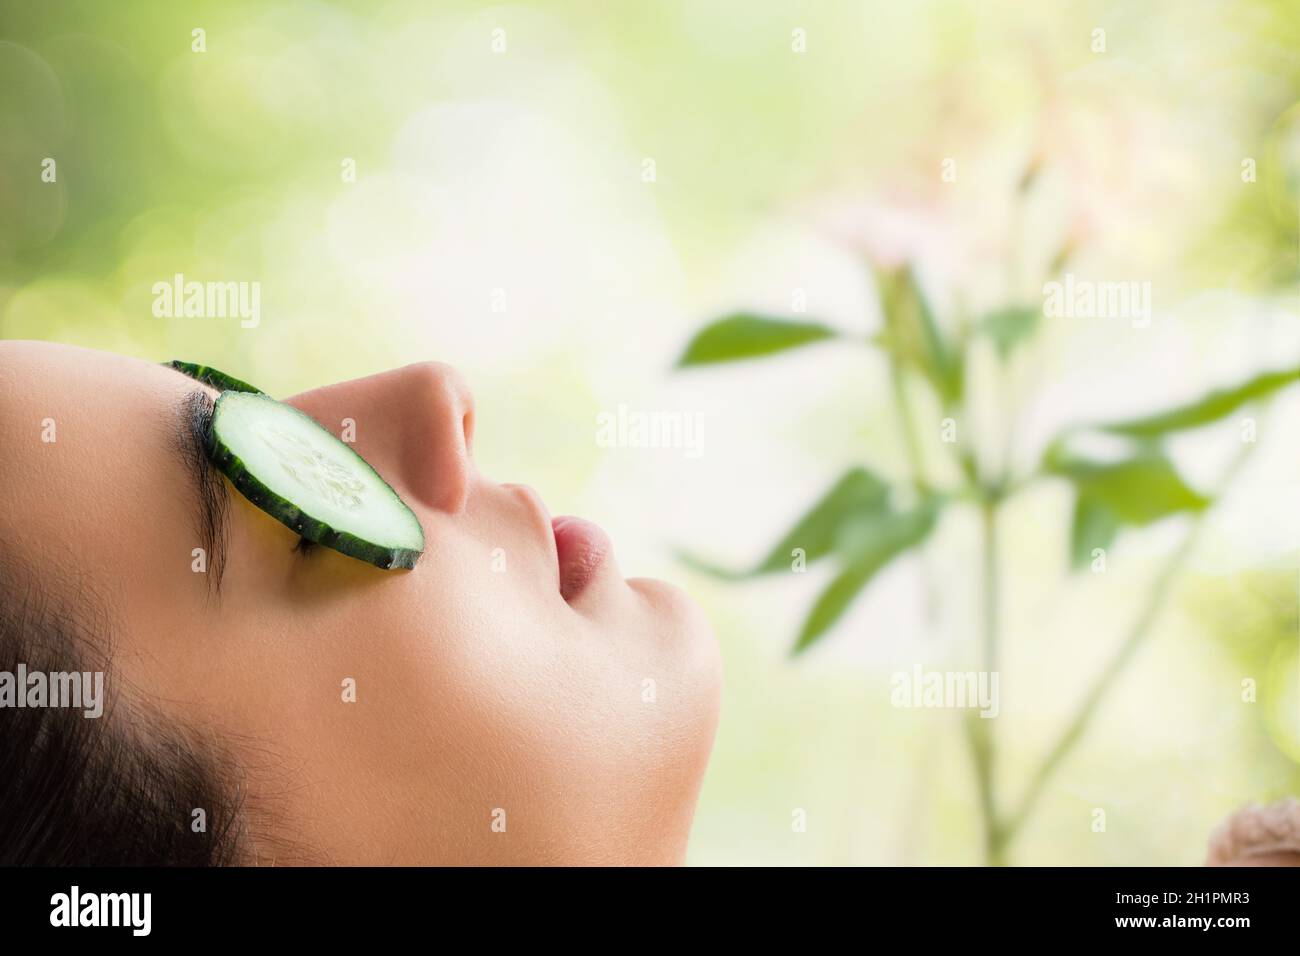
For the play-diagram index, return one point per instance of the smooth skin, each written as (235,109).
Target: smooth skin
(495,722)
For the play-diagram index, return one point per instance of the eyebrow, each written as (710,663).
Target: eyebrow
(211,497)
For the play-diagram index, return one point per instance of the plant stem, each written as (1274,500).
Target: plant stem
(989,527)
(915,463)
(1103,682)
(980,736)
(1147,616)
(906,424)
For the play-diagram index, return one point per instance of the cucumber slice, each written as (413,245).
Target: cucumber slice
(211,376)
(297,472)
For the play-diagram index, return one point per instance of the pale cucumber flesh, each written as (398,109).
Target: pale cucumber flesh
(286,464)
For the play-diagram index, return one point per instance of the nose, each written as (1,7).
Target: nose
(414,424)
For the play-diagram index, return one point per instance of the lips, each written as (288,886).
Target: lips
(581,547)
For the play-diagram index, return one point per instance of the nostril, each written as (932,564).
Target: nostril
(455,395)
(441,422)
(414,424)
(467,427)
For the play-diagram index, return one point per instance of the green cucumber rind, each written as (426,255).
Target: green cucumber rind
(297,520)
(213,377)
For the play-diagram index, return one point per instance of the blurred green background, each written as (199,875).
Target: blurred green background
(556,197)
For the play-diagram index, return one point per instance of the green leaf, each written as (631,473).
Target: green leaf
(914,335)
(1207,409)
(1138,491)
(744,335)
(858,492)
(1094,526)
(1008,327)
(870,544)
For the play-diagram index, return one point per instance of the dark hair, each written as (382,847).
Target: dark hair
(117,790)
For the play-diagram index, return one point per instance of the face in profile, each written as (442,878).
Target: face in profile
(512,699)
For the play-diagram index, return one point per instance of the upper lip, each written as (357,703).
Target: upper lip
(543,517)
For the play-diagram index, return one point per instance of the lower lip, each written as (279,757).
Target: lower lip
(582,548)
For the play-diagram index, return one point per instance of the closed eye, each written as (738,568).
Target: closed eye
(210,494)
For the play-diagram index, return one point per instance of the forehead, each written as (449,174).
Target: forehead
(47,380)
(88,467)
(60,405)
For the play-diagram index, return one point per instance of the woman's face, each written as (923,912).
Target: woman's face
(516,699)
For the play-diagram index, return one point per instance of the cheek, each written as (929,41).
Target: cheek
(426,701)
(449,662)
(407,710)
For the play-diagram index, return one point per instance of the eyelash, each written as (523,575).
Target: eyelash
(200,424)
